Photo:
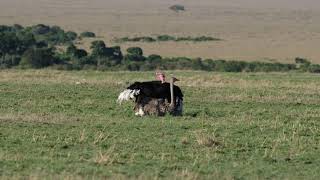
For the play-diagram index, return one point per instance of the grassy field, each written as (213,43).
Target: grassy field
(57,124)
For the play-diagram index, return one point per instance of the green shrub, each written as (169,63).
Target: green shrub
(302,64)
(87,34)
(154,58)
(72,51)
(80,53)
(314,68)
(40,29)
(165,38)
(135,51)
(98,48)
(299,60)
(71,35)
(136,39)
(177,8)
(134,54)
(133,57)
(28,47)
(37,58)
(9,61)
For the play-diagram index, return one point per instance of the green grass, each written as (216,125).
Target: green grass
(235,126)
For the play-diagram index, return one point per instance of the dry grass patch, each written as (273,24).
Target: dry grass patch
(204,139)
(107,157)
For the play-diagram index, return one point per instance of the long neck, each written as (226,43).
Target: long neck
(171,93)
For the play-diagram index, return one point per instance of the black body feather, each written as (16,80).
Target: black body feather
(156,89)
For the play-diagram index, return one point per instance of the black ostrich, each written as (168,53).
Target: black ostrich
(155,91)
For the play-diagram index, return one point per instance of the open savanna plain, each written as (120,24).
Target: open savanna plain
(67,125)
(252,30)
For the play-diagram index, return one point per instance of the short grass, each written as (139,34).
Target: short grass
(67,125)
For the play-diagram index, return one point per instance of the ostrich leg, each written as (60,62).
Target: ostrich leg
(138,108)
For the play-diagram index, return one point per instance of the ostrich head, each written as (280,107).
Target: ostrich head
(160,76)
(173,79)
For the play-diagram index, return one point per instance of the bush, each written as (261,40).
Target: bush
(299,60)
(134,54)
(135,51)
(40,29)
(9,61)
(71,35)
(314,68)
(87,34)
(51,35)
(136,39)
(177,8)
(165,38)
(154,58)
(145,39)
(132,57)
(302,64)
(28,47)
(80,53)
(72,51)
(37,58)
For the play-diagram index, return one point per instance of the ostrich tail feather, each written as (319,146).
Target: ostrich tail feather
(127,95)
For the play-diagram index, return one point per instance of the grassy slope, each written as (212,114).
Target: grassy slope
(235,126)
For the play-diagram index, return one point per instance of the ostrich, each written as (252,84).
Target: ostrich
(154,97)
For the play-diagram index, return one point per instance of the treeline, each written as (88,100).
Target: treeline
(162,38)
(36,47)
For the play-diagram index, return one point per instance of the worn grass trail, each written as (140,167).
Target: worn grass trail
(57,124)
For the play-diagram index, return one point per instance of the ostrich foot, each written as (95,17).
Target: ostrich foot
(140,112)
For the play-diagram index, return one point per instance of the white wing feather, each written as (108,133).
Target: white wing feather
(127,95)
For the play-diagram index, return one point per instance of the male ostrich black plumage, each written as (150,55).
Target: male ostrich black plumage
(155,91)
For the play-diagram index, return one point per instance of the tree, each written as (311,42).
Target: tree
(98,48)
(87,34)
(55,30)
(26,41)
(115,55)
(9,43)
(71,35)
(17,27)
(134,54)
(4,28)
(74,52)
(41,44)
(304,61)
(106,55)
(154,57)
(71,50)
(177,8)
(80,53)
(37,57)
(165,38)
(135,51)
(40,29)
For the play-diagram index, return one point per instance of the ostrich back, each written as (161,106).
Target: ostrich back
(156,89)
